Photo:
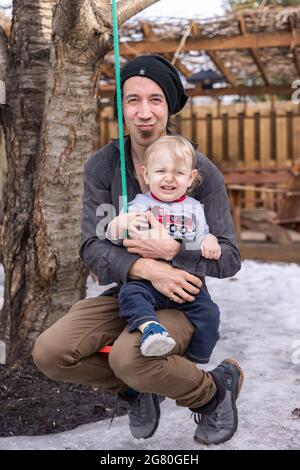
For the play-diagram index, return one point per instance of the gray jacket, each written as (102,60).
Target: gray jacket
(102,185)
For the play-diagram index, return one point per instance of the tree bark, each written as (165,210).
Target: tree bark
(67,140)
(3,160)
(25,84)
(42,218)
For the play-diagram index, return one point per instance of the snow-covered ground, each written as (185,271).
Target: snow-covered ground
(261,329)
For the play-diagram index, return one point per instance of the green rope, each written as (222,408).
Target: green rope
(119,104)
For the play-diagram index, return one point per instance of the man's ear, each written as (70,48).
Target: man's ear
(144,172)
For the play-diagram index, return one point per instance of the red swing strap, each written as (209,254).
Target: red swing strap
(105,350)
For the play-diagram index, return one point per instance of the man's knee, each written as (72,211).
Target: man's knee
(48,355)
(137,371)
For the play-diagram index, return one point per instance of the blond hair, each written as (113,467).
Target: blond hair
(180,148)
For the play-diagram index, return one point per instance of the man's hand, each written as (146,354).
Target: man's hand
(153,249)
(157,230)
(154,243)
(176,284)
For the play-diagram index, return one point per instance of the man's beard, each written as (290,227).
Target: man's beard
(146,134)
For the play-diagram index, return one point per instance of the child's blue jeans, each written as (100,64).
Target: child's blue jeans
(138,301)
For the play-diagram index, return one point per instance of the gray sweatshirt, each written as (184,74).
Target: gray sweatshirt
(102,185)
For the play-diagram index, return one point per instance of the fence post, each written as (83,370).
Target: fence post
(241,136)
(289,135)
(225,137)
(273,143)
(209,147)
(178,123)
(106,130)
(194,127)
(257,136)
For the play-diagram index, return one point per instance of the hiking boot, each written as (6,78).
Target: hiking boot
(156,341)
(144,414)
(219,425)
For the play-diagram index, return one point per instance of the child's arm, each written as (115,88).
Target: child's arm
(123,223)
(210,247)
(117,228)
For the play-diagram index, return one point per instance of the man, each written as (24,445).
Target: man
(152,92)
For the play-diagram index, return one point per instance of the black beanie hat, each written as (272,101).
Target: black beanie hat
(161,71)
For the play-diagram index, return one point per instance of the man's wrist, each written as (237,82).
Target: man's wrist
(176,247)
(172,250)
(143,268)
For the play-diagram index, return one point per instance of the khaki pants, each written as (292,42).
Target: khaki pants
(67,351)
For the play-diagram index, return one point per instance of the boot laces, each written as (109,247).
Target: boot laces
(208,419)
(137,412)
(114,412)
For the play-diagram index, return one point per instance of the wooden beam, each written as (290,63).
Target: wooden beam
(242,91)
(108,70)
(179,65)
(295,54)
(109,90)
(247,41)
(195,29)
(242,25)
(196,32)
(148,33)
(256,59)
(287,252)
(251,177)
(253,52)
(223,69)
(296,60)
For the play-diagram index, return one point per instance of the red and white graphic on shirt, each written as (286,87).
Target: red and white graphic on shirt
(175,223)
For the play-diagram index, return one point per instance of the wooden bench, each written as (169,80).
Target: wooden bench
(284,181)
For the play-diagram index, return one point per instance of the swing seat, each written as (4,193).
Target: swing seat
(105,350)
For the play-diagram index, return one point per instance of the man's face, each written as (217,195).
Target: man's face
(145,110)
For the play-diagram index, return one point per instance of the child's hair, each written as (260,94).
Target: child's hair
(181,149)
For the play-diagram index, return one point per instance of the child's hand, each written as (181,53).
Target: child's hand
(155,229)
(128,222)
(210,247)
(136,222)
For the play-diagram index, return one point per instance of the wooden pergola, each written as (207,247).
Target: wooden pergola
(256,51)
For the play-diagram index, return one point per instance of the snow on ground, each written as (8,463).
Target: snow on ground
(260,328)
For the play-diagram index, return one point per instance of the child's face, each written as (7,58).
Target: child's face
(167,177)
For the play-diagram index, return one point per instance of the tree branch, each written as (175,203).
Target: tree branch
(84,28)
(78,19)
(128,8)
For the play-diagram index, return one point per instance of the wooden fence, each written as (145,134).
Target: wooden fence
(248,139)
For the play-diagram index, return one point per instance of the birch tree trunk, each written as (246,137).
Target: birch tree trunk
(26,78)
(42,217)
